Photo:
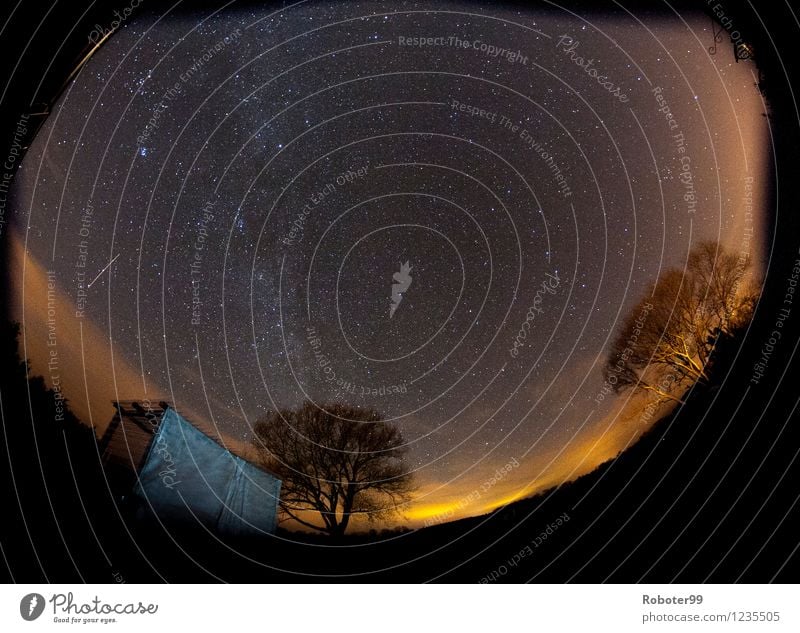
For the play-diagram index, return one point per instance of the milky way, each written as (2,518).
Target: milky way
(256,179)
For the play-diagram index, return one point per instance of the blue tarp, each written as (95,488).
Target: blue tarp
(188,478)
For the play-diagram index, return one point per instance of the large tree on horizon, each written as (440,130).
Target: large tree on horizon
(337,461)
(667,340)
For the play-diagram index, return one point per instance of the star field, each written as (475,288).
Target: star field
(262,175)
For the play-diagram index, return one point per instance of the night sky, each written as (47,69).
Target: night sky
(257,178)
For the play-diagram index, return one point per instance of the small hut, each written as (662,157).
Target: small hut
(165,469)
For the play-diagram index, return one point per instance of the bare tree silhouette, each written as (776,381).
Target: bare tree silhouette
(337,461)
(668,339)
